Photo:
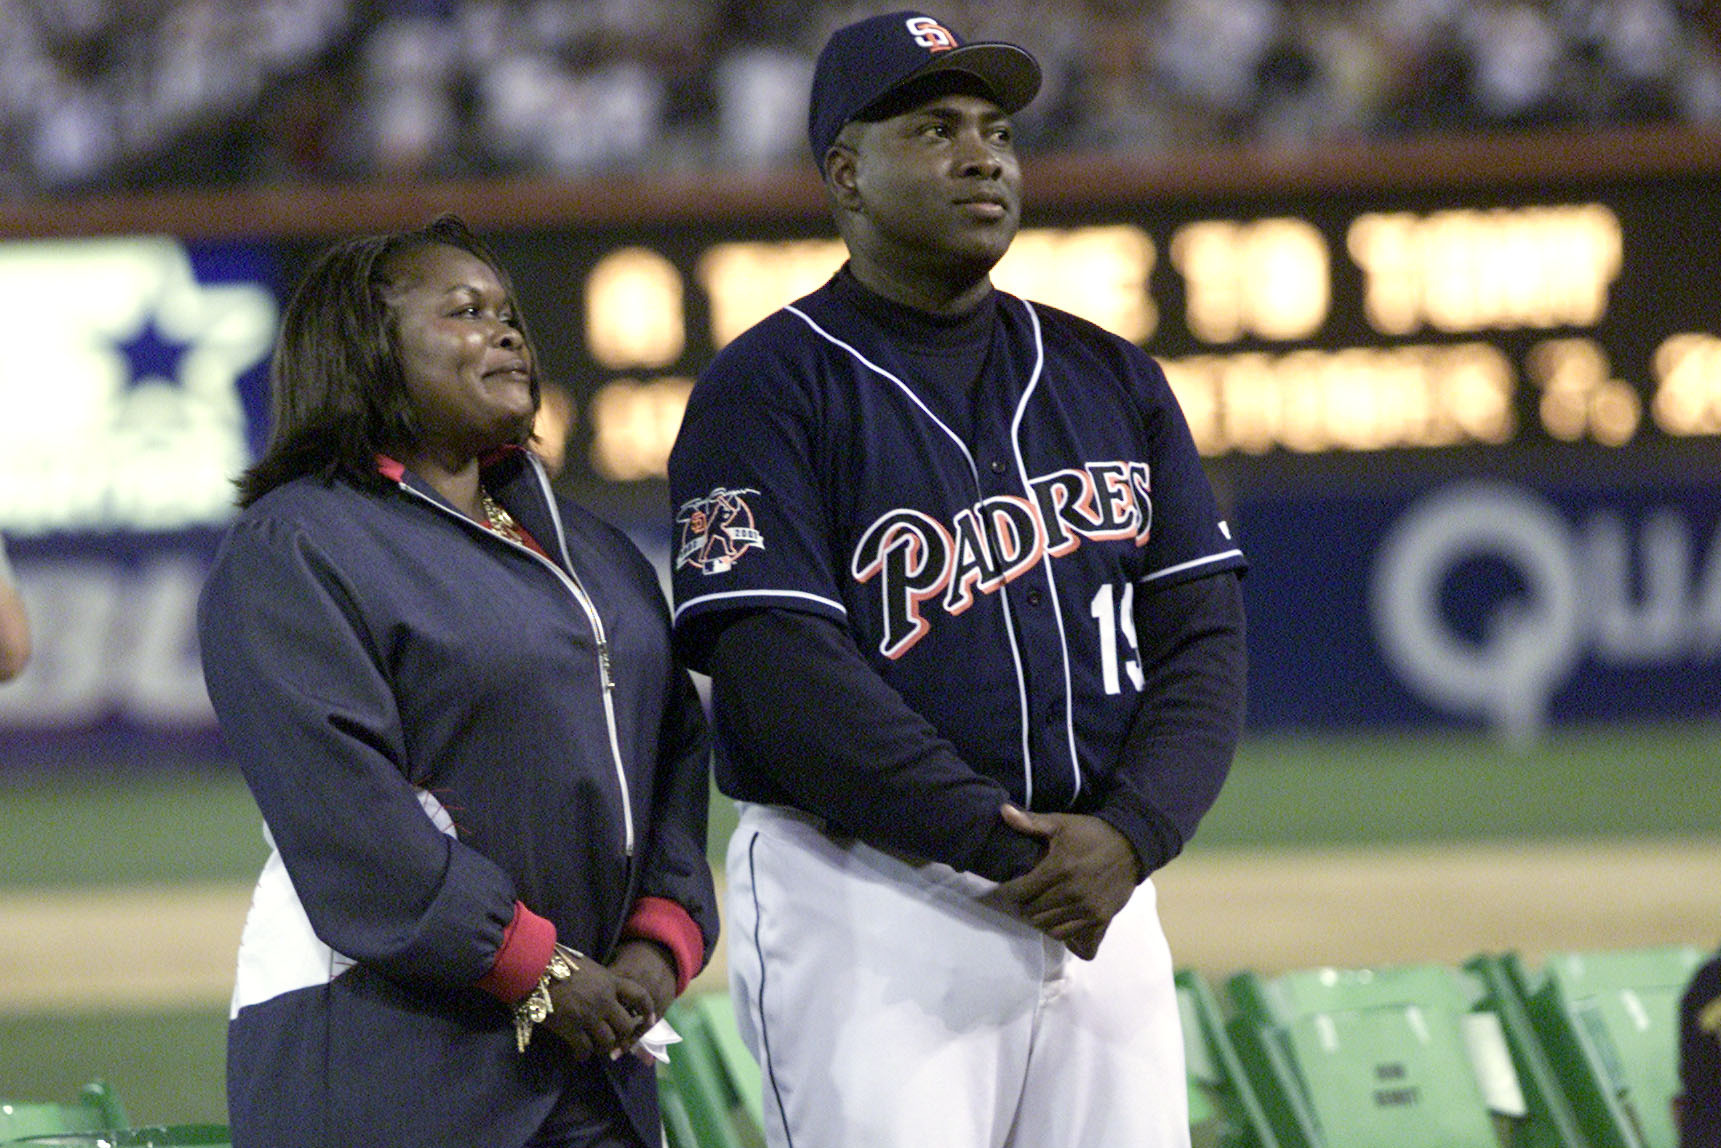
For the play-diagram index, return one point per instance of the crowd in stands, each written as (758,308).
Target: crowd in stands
(121,94)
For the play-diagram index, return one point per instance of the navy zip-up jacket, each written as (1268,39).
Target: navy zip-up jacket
(419,708)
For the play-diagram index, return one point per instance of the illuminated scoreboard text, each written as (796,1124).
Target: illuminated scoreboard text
(1480,324)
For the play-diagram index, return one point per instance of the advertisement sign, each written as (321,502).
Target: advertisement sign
(133,389)
(1485,602)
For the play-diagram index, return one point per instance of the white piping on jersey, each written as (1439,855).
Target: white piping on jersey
(820,599)
(1192,564)
(1051,574)
(974,472)
(578,590)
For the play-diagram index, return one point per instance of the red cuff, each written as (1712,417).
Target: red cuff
(662,920)
(527,945)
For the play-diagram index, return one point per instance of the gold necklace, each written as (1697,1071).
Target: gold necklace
(499,520)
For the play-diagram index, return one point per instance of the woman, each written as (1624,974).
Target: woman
(451,693)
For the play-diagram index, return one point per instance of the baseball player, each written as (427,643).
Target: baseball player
(976,641)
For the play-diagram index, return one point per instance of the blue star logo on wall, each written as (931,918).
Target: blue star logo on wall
(145,379)
(154,356)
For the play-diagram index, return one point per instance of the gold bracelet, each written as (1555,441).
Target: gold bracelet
(536,1007)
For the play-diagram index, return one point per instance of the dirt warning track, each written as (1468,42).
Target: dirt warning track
(173,946)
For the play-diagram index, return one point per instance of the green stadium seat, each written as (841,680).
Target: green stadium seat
(678,1131)
(1550,1120)
(739,1067)
(95,1108)
(714,1077)
(1607,1022)
(1223,1109)
(1401,1056)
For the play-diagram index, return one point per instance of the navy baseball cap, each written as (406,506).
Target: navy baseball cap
(866,62)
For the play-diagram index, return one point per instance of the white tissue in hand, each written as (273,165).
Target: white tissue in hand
(656,1041)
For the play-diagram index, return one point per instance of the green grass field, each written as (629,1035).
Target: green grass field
(83,829)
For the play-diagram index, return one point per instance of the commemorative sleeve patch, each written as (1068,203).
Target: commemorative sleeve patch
(715,530)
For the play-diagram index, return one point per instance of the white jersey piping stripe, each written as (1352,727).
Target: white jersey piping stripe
(1191,564)
(974,472)
(1051,582)
(881,372)
(731,594)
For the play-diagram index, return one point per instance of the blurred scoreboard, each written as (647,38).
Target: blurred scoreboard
(1583,313)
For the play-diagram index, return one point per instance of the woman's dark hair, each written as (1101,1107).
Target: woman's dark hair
(337,397)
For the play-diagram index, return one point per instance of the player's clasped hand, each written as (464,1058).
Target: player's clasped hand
(599,1012)
(1087,874)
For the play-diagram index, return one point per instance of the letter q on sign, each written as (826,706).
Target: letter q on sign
(1530,645)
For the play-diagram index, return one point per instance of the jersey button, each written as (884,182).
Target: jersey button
(1035,597)
(997,466)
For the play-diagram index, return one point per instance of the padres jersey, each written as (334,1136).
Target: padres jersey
(987,556)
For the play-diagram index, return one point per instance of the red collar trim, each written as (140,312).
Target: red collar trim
(395,471)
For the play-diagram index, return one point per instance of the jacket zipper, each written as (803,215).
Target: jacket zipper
(578,590)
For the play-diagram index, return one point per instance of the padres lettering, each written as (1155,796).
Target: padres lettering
(916,558)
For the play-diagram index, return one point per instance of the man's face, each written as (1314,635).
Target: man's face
(936,188)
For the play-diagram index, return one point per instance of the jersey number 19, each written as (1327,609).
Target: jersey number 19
(1111,623)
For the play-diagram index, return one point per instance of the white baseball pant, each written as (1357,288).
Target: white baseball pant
(889,1008)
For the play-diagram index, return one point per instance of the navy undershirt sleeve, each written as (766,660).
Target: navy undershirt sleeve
(1180,746)
(837,741)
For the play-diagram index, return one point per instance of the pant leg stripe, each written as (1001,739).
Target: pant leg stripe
(759,1004)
